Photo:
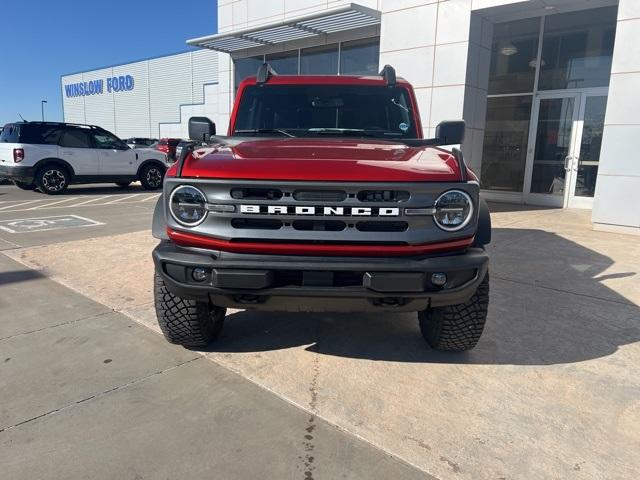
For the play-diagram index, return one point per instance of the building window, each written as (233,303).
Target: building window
(245,67)
(285,63)
(319,60)
(514,55)
(577,48)
(356,57)
(505,143)
(360,57)
(568,51)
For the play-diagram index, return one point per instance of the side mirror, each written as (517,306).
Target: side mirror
(450,132)
(201,128)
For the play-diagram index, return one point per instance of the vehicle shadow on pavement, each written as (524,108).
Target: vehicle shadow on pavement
(548,306)
(10,280)
(18,276)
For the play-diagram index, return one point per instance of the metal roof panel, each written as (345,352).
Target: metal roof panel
(320,23)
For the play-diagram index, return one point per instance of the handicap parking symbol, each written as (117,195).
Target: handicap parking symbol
(41,224)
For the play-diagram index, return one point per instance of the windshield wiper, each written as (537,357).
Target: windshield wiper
(357,132)
(264,130)
(399,105)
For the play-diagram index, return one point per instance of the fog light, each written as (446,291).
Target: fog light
(439,279)
(199,274)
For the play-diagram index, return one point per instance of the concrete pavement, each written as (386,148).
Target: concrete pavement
(87,393)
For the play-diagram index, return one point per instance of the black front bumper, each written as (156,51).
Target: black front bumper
(17,173)
(293,283)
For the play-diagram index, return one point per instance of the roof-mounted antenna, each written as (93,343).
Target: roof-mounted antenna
(389,75)
(22,117)
(264,73)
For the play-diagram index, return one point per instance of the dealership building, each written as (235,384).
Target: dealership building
(548,88)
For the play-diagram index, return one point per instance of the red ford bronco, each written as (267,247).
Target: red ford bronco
(323,197)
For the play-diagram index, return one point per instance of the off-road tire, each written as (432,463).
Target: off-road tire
(52,179)
(186,322)
(151,177)
(123,184)
(457,327)
(24,186)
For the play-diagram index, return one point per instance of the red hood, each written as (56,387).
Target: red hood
(323,159)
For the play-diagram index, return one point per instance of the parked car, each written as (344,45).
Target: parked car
(180,146)
(324,197)
(50,156)
(168,146)
(138,142)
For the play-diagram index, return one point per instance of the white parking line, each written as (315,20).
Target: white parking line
(7,207)
(70,202)
(104,197)
(151,197)
(47,205)
(119,199)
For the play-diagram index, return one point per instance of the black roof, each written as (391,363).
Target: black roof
(65,124)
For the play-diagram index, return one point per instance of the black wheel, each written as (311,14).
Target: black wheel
(151,177)
(24,186)
(123,184)
(186,322)
(52,179)
(457,327)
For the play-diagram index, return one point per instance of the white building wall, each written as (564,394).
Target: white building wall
(163,86)
(73,106)
(616,205)
(99,109)
(446,58)
(240,14)
(131,108)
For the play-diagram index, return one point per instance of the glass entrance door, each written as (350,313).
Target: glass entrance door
(565,140)
(584,166)
(551,149)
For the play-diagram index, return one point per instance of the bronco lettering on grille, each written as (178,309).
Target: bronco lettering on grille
(321,211)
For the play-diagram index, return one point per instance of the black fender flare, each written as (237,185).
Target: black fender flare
(150,161)
(54,161)
(159,222)
(483,232)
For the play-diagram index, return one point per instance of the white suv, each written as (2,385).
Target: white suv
(51,156)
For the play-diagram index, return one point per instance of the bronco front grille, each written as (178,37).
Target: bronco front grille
(355,213)
(320,195)
(383,196)
(382,226)
(319,225)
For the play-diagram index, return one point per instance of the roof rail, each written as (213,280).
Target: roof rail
(389,75)
(264,73)
(39,122)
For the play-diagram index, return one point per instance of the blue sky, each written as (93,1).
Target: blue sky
(43,39)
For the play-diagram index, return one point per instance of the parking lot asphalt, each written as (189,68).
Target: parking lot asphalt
(551,391)
(108,208)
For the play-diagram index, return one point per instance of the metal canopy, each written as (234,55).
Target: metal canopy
(328,21)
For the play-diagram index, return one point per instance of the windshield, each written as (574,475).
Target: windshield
(315,110)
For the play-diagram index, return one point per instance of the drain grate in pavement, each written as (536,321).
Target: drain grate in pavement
(41,224)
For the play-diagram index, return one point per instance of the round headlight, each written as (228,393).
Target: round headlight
(453,210)
(188,205)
